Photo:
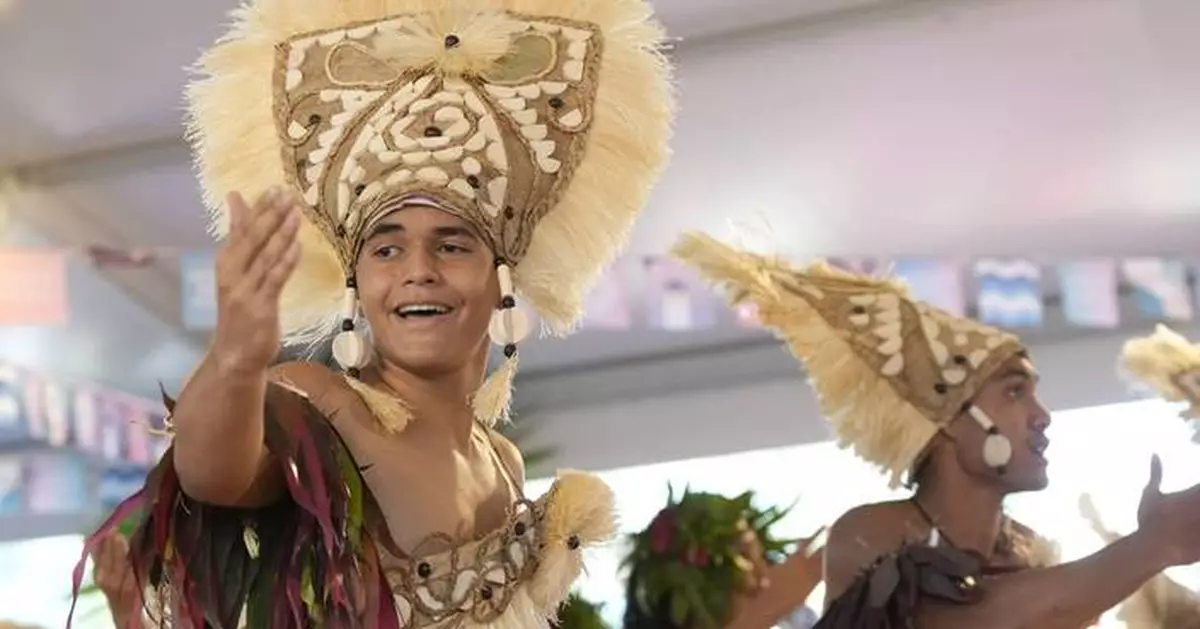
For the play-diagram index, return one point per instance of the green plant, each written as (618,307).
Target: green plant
(579,613)
(693,558)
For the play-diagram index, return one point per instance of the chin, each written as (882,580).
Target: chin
(426,365)
(1036,481)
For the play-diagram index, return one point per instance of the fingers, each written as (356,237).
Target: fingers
(277,276)
(1155,474)
(273,251)
(255,229)
(237,213)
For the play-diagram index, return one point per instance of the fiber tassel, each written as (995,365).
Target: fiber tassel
(493,401)
(389,410)
(582,514)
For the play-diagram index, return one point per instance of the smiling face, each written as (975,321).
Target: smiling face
(1009,398)
(427,285)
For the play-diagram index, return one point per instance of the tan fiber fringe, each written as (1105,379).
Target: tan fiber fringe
(230,123)
(1159,360)
(389,410)
(866,412)
(492,402)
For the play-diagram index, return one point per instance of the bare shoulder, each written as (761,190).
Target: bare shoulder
(326,389)
(861,536)
(510,454)
(866,529)
(308,377)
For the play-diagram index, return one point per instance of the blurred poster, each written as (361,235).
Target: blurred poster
(33,287)
(137,433)
(48,411)
(12,486)
(118,482)
(13,427)
(607,305)
(746,314)
(85,422)
(936,282)
(1010,293)
(57,483)
(1089,292)
(1160,287)
(677,299)
(110,414)
(199,282)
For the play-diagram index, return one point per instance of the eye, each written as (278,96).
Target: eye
(453,248)
(385,252)
(1016,391)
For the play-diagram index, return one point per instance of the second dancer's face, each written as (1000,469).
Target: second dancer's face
(428,286)
(1009,398)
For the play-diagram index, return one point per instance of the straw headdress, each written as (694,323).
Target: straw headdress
(889,371)
(543,123)
(1168,363)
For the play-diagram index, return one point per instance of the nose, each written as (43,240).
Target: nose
(420,268)
(1041,418)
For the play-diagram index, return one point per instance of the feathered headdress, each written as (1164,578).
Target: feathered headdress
(542,123)
(889,371)
(1168,363)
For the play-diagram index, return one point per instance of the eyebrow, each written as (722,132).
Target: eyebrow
(446,231)
(1017,372)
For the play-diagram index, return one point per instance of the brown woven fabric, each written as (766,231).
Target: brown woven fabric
(889,594)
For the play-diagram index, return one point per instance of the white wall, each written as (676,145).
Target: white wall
(750,398)
(960,127)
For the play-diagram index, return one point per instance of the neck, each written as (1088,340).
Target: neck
(441,402)
(965,509)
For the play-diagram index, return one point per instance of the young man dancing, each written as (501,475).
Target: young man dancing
(952,405)
(414,169)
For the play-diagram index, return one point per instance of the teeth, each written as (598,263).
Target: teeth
(423,309)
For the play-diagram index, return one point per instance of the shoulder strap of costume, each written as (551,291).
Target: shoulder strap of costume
(510,475)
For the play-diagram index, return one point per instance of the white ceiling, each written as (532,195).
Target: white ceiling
(867,126)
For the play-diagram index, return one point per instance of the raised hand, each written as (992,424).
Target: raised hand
(1172,520)
(258,257)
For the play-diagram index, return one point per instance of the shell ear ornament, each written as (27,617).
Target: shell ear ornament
(350,347)
(997,449)
(508,327)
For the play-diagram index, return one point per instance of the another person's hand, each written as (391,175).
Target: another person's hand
(258,257)
(1170,521)
(112,572)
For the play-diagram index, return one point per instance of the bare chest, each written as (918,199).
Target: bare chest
(431,498)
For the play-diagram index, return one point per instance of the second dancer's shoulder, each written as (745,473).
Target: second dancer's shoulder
(864,534)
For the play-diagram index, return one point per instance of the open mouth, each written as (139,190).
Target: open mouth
(422,311)
(1038,445)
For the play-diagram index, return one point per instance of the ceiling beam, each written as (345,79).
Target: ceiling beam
(155,288)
